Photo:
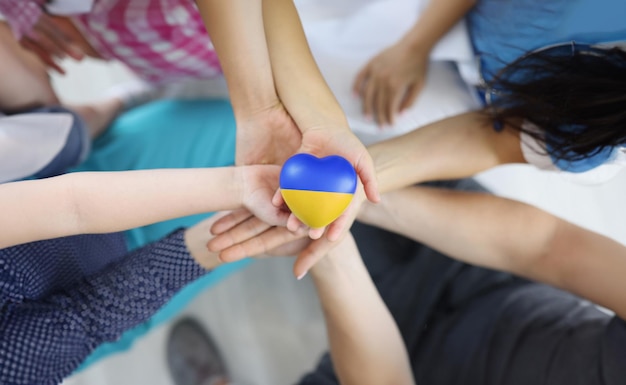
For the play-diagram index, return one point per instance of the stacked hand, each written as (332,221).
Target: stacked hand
(391,82)
(242,234)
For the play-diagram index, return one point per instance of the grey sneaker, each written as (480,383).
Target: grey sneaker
(193,357)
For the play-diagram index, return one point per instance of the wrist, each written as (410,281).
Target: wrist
(418,45)
(239,184)
(247,107)
(196,240)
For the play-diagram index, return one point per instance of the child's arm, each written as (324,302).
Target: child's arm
(113,201)
(506,235)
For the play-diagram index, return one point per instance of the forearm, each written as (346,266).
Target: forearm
(113,201)
(477,228)
(236,30)
(299,82)
(502,234)
(434,22)
(452,148)
(366,345)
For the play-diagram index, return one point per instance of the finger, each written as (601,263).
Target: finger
(44,56)
(369,96)
(229,221)
(291,248)
(310,256)
(294,224)
(360,80)
(393,105)
(316,233)
(410,95)
(277,199)
(60,39)
(261,244)
(243,232)
(46,43)
(365,168)
(338,228)
(380,101)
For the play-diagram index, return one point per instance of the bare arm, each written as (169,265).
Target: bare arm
(436,20)
(236,30)
(299,82)
(114,201)
(506,235)
(365,343)
(456,147)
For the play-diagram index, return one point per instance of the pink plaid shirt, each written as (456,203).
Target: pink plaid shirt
(21,15)
(162,41)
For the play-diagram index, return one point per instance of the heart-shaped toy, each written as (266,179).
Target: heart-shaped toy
(317,190)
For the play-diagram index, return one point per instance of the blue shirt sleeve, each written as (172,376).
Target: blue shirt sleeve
(74,151)
(582,165)
(43,341)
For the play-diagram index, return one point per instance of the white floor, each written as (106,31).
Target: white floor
(268,324)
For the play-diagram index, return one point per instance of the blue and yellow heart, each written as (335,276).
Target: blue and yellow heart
(317,190)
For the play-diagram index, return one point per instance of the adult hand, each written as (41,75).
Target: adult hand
(50,43)
(267,137)
(390,82)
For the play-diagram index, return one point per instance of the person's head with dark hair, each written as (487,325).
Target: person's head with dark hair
(575,94)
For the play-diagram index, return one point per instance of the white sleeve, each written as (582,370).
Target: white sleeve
(28,142)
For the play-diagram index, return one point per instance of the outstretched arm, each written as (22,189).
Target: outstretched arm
(452,148)
(101,202)
(506,235)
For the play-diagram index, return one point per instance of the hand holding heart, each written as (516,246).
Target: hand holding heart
(317,190)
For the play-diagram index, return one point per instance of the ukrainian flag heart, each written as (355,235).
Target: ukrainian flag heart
(317,190)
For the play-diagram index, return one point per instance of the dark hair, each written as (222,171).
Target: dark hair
(576,95)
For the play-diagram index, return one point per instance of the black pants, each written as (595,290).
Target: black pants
(468,325)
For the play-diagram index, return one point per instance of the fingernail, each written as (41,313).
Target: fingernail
(368,118)
(301,275)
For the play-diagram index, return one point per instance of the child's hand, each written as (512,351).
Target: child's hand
(259,183)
